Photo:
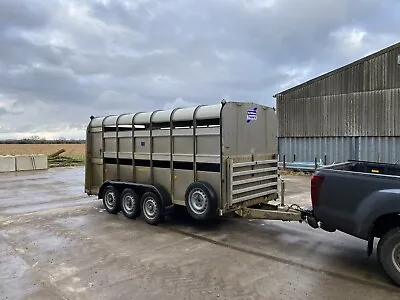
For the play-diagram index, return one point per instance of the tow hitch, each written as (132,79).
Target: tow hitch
(308,216)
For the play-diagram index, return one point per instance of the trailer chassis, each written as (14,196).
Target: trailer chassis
(275,210)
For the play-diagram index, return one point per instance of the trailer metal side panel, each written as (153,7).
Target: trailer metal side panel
(126,173)
(163,177)
(232,147)
(182,179)
(242,136)
(249,145)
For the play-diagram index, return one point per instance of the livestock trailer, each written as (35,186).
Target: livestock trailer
(211,159)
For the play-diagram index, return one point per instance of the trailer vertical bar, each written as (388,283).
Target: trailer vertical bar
(151,147)
(282,192)
(195,143)
(222,168)
(118,145)
(229,184)
(103,147)
(89,155)
(171,140)
(133,148)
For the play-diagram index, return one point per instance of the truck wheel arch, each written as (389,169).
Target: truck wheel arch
(384,224)
(374,214)
(380,227)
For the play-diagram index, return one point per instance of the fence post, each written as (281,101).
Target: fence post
(284,161)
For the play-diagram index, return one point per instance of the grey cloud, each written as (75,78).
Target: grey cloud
(25,13)
(71,59)
(19,51)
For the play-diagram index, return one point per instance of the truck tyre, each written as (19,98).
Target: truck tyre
(111,199)
(152,208)
(130,203)
(388,252)
(201,201)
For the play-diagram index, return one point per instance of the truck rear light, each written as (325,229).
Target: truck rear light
(316,182)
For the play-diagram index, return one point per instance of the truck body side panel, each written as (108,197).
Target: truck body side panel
(348,200)
(377,204)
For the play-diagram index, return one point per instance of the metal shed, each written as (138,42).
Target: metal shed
(349,113)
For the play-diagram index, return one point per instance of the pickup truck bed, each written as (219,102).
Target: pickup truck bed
(361,199)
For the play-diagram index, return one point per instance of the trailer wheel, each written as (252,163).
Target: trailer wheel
(201,201)
(111,199)
(130,203)
(389,254)
(151,208)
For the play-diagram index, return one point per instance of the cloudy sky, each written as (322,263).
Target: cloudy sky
(64,60)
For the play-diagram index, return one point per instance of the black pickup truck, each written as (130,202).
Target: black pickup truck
(361,199)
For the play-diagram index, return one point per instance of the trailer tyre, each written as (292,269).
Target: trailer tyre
(111,200)
(130,203)
(151,205)
(201,201)
(389,254)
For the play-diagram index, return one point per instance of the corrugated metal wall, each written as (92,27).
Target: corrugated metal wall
(350,113)
(381,149)
(359,114)
(361,99)
(340,149)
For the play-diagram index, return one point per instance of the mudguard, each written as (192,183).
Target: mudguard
(377,204)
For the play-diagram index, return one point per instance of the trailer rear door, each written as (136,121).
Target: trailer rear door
(251,180)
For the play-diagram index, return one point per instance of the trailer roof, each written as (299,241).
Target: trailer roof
(201,112)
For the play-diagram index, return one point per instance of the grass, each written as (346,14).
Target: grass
(294,172)
(65,161)
(74,154)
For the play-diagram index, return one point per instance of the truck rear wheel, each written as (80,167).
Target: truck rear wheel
(151,208)
(130,203)
(389,254)
(201,201)
(111,199)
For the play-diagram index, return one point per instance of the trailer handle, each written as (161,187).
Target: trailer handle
(282,191)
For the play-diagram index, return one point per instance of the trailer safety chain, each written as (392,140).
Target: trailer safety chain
(305,213)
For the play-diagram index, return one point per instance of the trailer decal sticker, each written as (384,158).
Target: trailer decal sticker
(142,144)
(251,115)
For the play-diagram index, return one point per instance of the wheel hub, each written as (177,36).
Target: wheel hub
(198,201)
(129,203)
(150,208)
(396,257)
(110,199)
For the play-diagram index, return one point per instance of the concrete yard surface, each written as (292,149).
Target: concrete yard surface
(57,243)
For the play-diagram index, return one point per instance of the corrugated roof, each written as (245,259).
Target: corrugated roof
(323,76)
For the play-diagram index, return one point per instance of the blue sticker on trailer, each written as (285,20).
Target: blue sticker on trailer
(251,115)
(142,144)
